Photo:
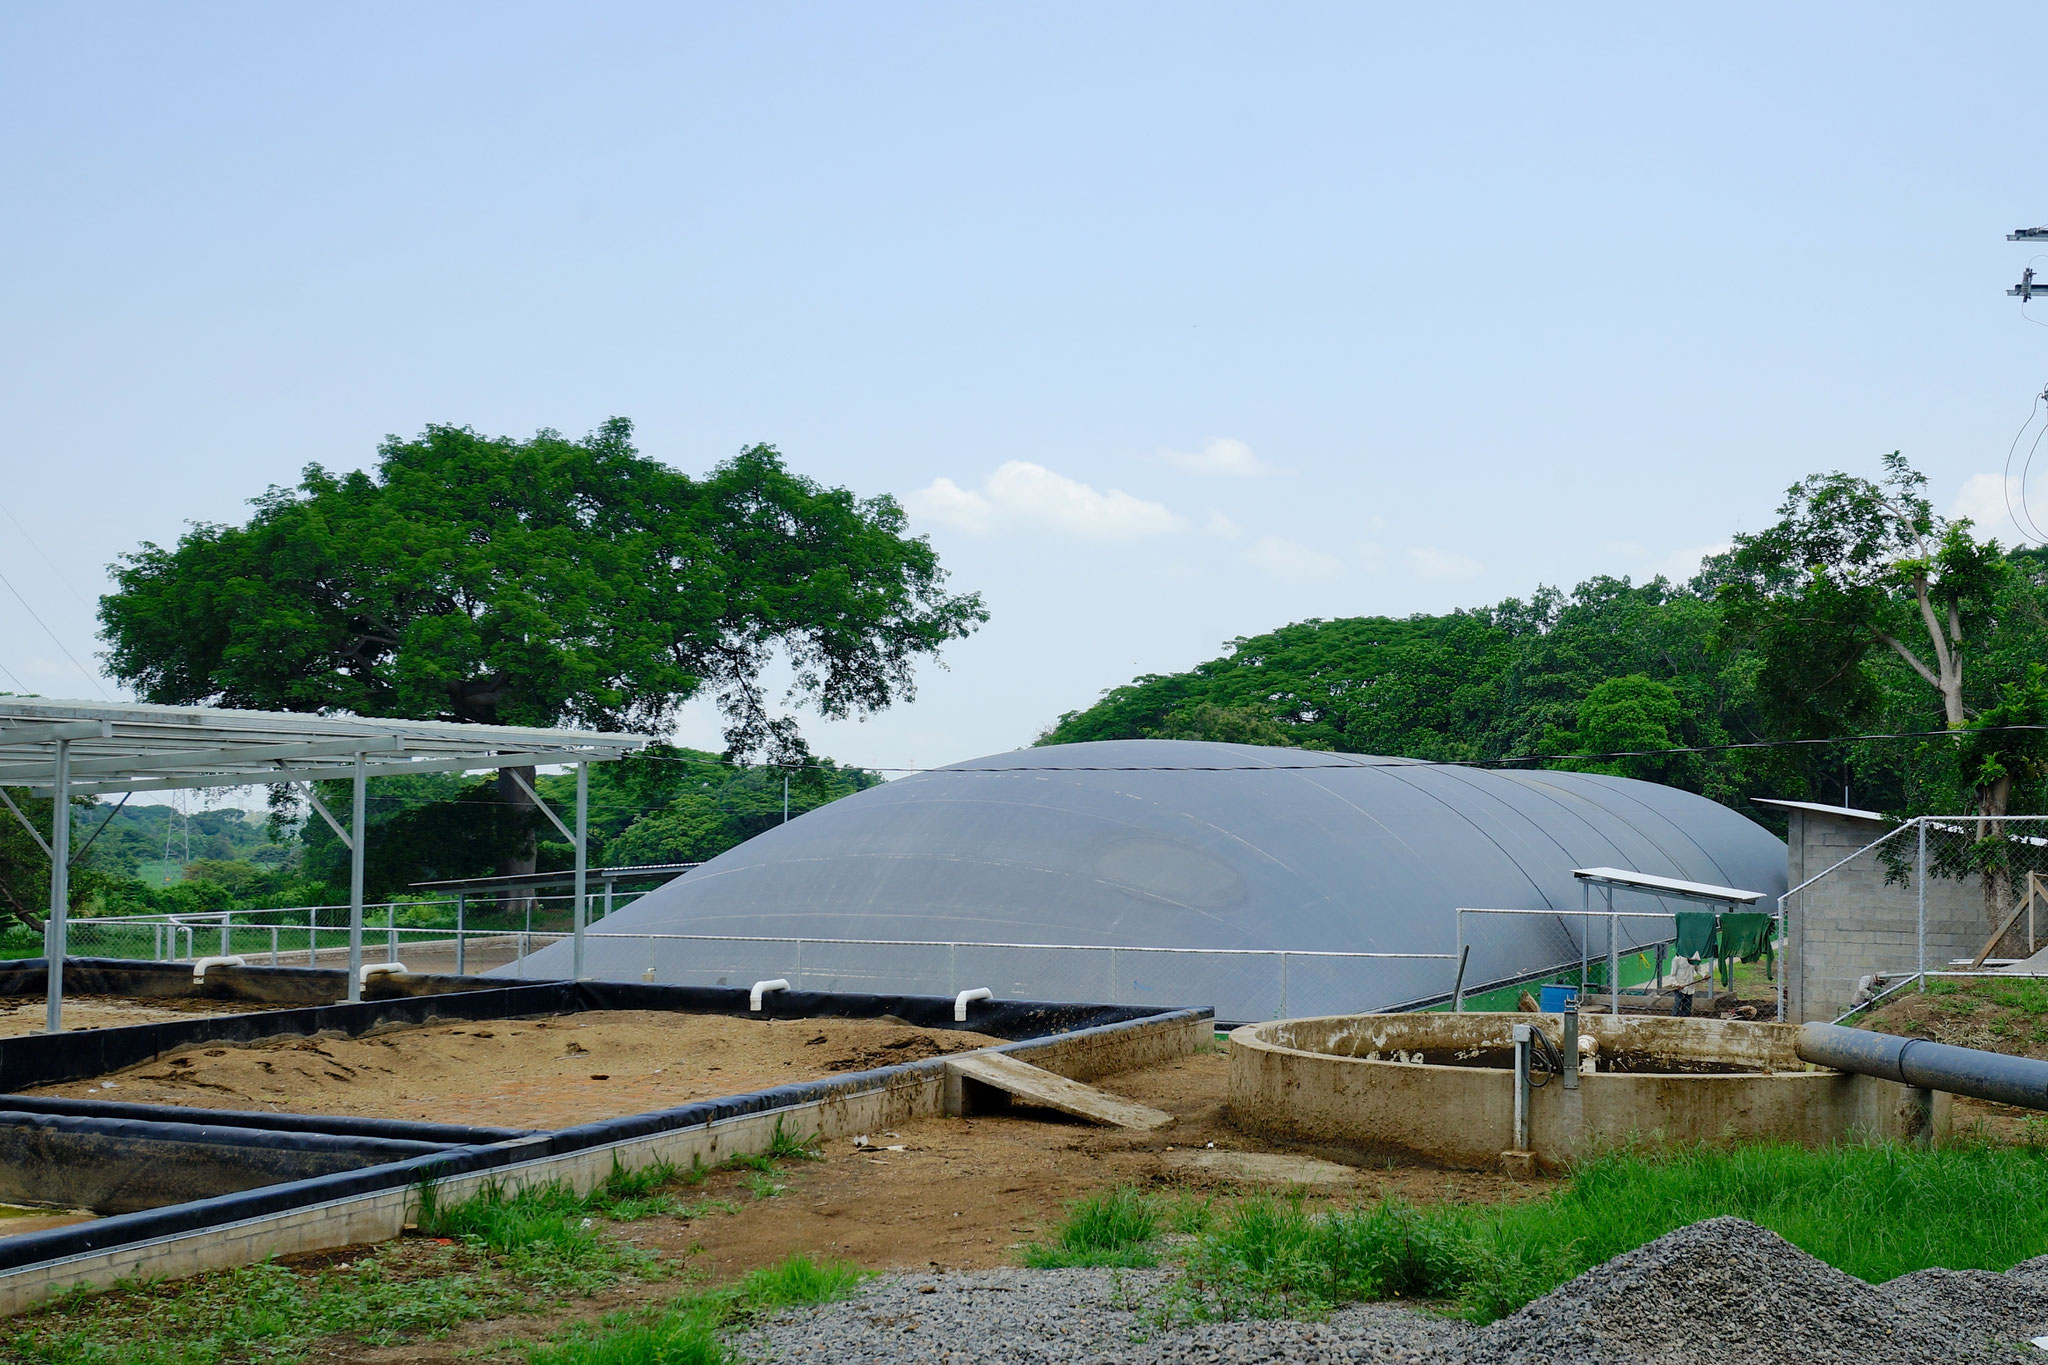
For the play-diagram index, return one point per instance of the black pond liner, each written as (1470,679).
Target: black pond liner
(43,1059)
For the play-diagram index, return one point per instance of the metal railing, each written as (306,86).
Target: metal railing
(1243,985)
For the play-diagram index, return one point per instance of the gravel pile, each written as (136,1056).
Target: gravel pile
(1726,1289)
(1707,1294)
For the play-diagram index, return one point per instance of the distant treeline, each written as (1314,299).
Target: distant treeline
(1860,612)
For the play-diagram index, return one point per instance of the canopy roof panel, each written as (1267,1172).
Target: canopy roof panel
(123,747)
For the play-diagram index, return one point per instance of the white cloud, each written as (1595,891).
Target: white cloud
(1220,525)
(1224,456)
(947,502)
(1020,494)
(1991,501)
(1427,563)
(1292,562)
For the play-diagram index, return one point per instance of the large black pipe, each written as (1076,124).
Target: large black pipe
(1992,1076)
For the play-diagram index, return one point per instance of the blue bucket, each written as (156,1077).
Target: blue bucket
(1553,999)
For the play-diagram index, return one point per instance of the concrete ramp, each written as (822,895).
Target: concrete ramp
(1033,1085)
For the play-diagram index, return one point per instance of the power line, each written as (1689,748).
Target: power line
(76,595)
(1377,763)
(53,636)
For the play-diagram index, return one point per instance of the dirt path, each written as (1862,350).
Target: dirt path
(531,1073)
(964,1194)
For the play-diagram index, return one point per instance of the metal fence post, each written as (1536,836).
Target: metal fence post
(1921,878)
(273,945)
(461,904)
(1283,983)
(1613,957)
(56,927)
(391,932)
(1784,961)
(1458,986)
(582,869)
(227,920)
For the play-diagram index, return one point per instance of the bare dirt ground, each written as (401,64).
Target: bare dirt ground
(547,1072)
(23,1014)
(963,1194)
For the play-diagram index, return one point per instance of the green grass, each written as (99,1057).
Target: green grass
(1116,1228)
(1877,1212)
(267,1312)
(688,1332)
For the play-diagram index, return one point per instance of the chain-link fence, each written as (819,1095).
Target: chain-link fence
(451,934)
(1517,950)
(1242,986)
(1932,896)
(534,940)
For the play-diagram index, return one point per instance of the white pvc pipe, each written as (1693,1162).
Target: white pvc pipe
(762,988)
(962,1000)
(199,967)
(371,969)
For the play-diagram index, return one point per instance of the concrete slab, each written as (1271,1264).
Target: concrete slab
(1035,1086)
(1266,1168)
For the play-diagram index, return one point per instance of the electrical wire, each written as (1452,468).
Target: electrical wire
(53,636)
(76,595)
(1376,763)
(2005,482)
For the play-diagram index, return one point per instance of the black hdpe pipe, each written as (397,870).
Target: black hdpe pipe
(1967,1071)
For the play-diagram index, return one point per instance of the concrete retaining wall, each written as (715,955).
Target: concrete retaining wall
(896,1095)
(1318,1080)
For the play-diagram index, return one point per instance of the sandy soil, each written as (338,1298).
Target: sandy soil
(20,1014)
(524,1073)
(965,1194)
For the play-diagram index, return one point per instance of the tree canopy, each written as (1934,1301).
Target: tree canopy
(540,582)
(1858,611)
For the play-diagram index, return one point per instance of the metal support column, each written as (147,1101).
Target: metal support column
(1613,957)
(355,884)
(1921,877)
(56,930)
(582,866)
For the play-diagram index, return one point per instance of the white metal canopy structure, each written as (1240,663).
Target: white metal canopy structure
(1609,878)
(80,748)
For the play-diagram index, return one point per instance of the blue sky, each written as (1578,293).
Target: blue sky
(1170,323)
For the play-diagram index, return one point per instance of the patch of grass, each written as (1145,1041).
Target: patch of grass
(685,1335)
(763,1183)
(400,1293)
(1191,1214)
(798,1283)
(1876,1212)
(1275,1258)
(688,1332)
(786,1145)
(1116,1228)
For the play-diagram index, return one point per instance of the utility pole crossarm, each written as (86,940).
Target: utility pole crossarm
(2039,234)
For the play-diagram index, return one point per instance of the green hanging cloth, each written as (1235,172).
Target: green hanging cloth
(1695,934)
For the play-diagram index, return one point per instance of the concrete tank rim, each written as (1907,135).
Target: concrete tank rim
(1249,1037)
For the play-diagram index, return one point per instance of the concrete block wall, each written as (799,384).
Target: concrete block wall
(1853,922)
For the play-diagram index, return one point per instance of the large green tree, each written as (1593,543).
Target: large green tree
(541,582)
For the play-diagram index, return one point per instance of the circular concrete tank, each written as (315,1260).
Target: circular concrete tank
(1441,1088)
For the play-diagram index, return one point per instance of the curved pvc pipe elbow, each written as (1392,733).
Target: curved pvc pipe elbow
(371,969)
(199,967)
(962,1000)
(762,988)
